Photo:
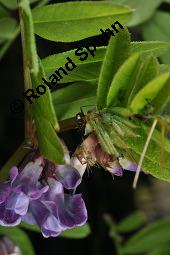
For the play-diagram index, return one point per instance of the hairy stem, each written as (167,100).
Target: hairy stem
(27,83)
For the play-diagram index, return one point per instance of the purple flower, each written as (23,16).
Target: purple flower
(70,208)
(19,191)
(56,211)
(40,213)
(24,198)
(70,174)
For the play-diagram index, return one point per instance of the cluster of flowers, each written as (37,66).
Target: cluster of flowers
(41,192)
(52,204)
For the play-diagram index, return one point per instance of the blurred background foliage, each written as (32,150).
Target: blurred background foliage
(122,221)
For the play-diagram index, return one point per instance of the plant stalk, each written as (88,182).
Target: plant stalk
(27,83)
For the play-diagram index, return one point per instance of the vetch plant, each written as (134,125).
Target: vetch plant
(124,93)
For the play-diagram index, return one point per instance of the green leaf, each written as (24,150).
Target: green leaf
(131,223)
(68,19)
(149,238)
(137,71)
(158,29)
(90,69)
(124,77)
(116,53)
(20,238)
(155,48)
(162,250)
(85,70)
(14,160)
(30,227)
(152,163)
(8,27)
(68,101)
(11,4)
(49,143)
(66,111)
(142,11)
(161,100)
(44,104)
(149,92)
(45,121)
(147,70)
(76,233)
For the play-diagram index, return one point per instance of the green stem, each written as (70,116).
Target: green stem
(116,239)
(27,84)
(117,246)
(114,234)
(30,60)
